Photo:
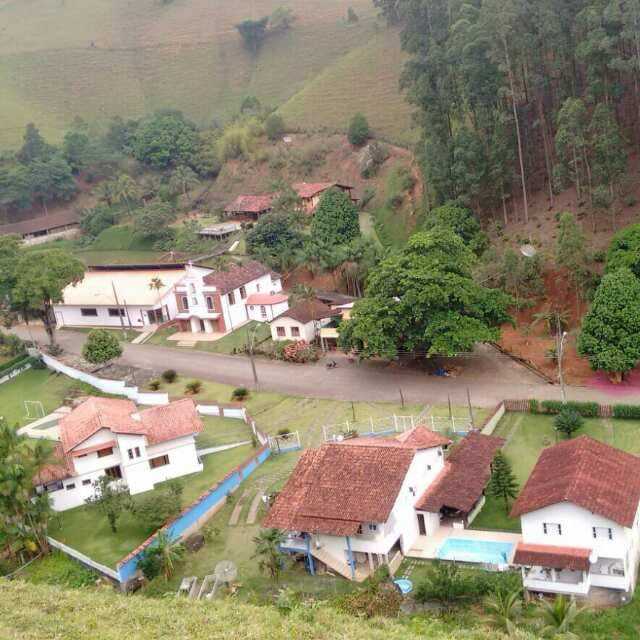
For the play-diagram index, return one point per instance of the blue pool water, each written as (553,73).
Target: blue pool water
(480,551)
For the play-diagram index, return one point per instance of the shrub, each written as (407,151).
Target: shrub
(211,533)
(358,132)
(150,563)
(60,570)
(534,406)
(101,346)
(240,393)
(585,409)
(154,509)
(629,411)
(274,126)
(301,352)
(372,601)
(193,387)
(170,375)
(568,422)
(285,431)
(154,384)
(279,349)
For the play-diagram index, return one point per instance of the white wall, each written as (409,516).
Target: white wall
(307,331)
(236,314)
(254,311)
(70,316)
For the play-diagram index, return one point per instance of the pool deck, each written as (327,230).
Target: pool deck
(426,547)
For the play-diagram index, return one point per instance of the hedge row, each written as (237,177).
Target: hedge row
(585,409)
(15,363)
(629,411)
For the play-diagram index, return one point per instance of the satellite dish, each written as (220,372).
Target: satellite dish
(225,571)
(528,250)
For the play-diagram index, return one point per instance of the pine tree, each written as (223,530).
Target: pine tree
(503,483)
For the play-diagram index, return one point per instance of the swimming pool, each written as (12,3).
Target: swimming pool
(479,551)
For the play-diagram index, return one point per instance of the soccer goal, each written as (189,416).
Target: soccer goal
(33,409)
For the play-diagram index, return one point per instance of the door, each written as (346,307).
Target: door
(422,527)
(203,328)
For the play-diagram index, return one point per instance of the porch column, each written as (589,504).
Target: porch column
(352,564)
(194,325)
(371,567)
(208,325)
(312,566)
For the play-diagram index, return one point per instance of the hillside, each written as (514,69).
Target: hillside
(101,58)
(42,613)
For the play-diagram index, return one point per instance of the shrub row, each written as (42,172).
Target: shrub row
(553,407)
(15,363)
(629,411)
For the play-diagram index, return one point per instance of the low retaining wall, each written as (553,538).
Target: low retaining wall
(492,421)
(113,387)
(195,515)
(12,373)
(85,560)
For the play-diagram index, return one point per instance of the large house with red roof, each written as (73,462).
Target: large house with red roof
(105,436)
(580,518)
(196,299)
(355,505)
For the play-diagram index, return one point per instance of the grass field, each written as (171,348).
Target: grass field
(88,530)
(221,431)
(527,435)
(100,58)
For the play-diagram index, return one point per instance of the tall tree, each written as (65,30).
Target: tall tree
(624,250)
(182,180)
(336,220)
(503,483)
(267,551)
(571,253)
(423,301)
(34,147)
(111,498)
(253,33)
(41,277)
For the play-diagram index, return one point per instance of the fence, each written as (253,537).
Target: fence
(113,387)
(285,442)
(589,409)
(492,421)
(15,370)
(85,560)
(193,516)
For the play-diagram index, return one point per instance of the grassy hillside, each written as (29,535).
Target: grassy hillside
(39,612)
(366,80)
(99,58)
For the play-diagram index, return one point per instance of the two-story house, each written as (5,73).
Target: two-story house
(580,519)
(105,436)
(197,299)
(350,505)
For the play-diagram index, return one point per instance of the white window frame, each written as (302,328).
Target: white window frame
(552,528)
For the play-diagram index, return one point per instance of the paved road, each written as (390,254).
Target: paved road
(489,376)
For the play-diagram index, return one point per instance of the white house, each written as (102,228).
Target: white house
(303,321)
(197,299)
(580,519)
(105,436)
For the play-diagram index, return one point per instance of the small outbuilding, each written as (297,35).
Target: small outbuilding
(303,321)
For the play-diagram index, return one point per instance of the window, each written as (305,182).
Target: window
(263,311)
(185,303)
(440,453)
(114,472)
(160,461)
(53,486)
(70,486)
(243,293)
(602,532)
(552,529)
(428,467)
(258,287)
(210,306)
(115,312)
(359,531)
(103,453)
(134,453)
(86,482)
(412,491)
(281,331)
(232,298)
(373,527)
(192,287)
(194,301)
(88,313)
(295,332)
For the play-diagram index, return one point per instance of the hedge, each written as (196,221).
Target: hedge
(629,411)
(585,409)
(14,363)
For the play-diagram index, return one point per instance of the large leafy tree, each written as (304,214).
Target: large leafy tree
(111,498)
(41,277)
(610,335)
(153,221)
(275,236)
(461,221)
(15,187)
(51,178)
(34,147)
(336,220)
(165,139)
(101,346)
(624,250)
(423,300)
(10,247)
(253,33)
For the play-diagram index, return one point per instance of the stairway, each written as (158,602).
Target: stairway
(337,565)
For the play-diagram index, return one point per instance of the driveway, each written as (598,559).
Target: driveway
(489,375)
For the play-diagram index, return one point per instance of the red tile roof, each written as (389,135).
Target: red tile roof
(236,275)
(41,223)
(544,555)
(308,311)
(310,189)
(266,298)
(96,447)
(587,473)
(336,488)
(422,438)
(60,468)
(461,482)
(158,424)
(251,204)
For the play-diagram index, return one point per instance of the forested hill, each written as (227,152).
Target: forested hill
(517,96)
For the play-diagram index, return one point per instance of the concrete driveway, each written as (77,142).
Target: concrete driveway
(489,375)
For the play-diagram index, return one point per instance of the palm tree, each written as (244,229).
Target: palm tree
(558,617)
(169,552)
(155,284)
(183,179)
(503,609)
(126,190)
(105,192)
(268,543)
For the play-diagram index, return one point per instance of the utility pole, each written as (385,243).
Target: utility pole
(120,314)
(470,409)
(250,339)
(561,336)
(401,396)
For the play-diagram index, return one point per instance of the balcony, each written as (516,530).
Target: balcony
(294,543)
(557,581)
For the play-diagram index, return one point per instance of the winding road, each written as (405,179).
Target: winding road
(489,375)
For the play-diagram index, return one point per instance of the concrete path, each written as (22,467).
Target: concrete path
(235,516)
(222,447)
(253,509)
(489,376)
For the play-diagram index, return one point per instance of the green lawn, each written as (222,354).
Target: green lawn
(221,431)
(129,334)
(35,384)
(235,342)
(87,530)
(527,435)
